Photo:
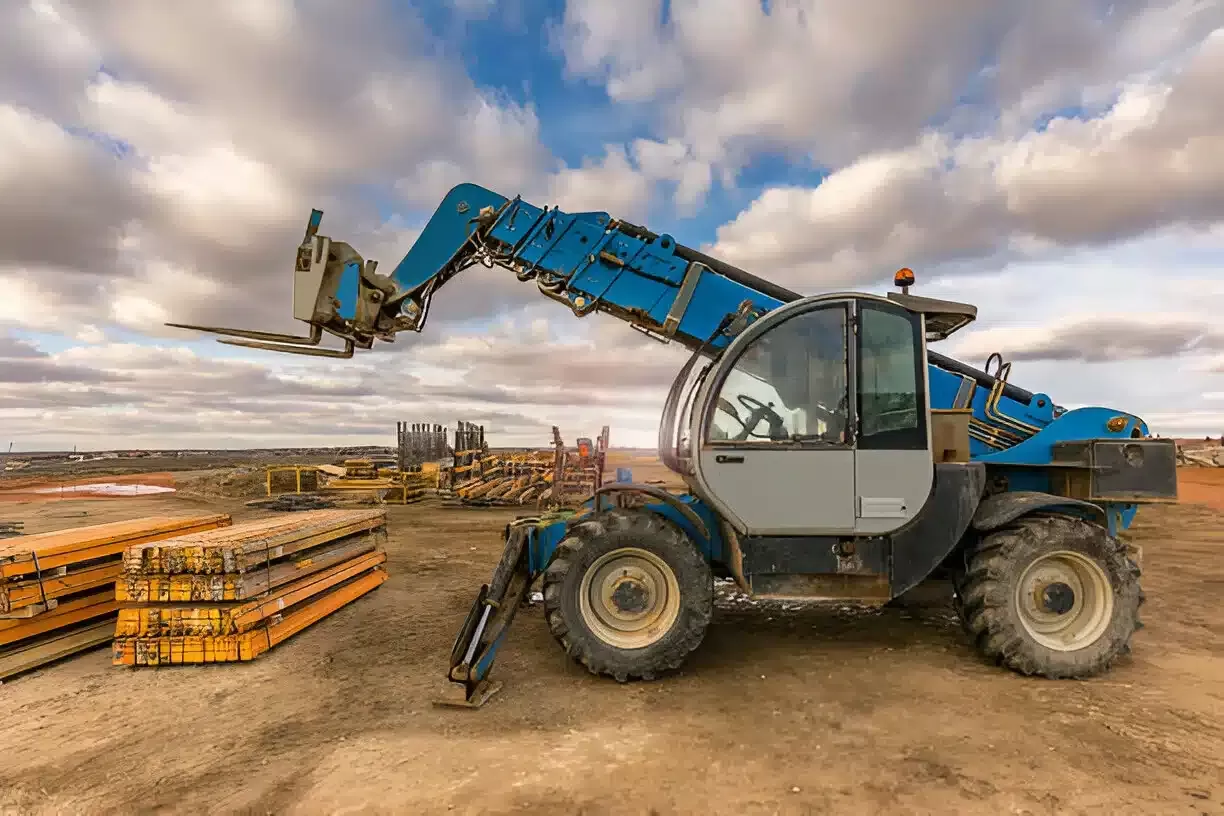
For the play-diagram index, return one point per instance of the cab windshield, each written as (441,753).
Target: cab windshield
(790,383)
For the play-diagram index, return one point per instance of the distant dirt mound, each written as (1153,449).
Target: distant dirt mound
(1201,457)
(239,483)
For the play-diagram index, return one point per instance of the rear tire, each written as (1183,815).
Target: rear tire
(628,595)
(1050,595)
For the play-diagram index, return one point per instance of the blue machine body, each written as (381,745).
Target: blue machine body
(595,263)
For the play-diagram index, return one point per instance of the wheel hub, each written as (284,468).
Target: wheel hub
(1065,600)
(629,598)
(1058,598)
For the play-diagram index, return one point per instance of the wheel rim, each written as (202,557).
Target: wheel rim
(1065,600)
(629,598)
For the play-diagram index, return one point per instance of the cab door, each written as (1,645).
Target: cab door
(894,471)
(774,425)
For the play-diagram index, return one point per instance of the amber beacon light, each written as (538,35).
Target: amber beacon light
(904,279)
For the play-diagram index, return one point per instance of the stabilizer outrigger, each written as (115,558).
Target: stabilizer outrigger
(497,602)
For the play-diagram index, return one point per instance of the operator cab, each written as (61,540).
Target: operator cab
(816,420)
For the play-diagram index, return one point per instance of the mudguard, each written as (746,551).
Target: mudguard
(653,492)
(1003,508)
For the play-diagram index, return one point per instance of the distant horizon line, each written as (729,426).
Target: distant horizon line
(390,448)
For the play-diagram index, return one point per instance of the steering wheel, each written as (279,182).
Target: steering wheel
(760,411)
(831,416)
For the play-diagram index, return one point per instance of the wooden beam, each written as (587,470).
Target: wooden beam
(44,651)
(182,620)
(80,609)
(249,545)
(161,589)
(18,556)
(18,594)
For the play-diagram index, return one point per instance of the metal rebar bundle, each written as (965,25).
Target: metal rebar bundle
(419,442)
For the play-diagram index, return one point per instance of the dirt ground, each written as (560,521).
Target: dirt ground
(1201,486)
(781,710)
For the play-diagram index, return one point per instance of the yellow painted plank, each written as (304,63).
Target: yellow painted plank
(63,547)
(31,591)
(44,650)
(237,617)
(97,596)
(160,589)
(251,544)
(94,605)
(247,646)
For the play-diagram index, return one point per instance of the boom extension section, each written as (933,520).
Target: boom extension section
(588,261)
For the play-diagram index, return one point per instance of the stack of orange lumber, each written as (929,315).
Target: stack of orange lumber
(57,590)
(231,595)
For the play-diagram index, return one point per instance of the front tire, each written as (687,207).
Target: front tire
(628,595)
(1051,595)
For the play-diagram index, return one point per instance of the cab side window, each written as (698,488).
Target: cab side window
(891,398)
(788,386)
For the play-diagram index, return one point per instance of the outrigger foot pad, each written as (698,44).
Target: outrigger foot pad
(472,698)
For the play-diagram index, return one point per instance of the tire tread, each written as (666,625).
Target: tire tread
(984,592)
(697,601)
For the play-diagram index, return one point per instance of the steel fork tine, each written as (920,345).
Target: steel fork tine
(343,353)
(316,334)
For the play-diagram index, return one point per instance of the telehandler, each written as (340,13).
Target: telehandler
(829,454)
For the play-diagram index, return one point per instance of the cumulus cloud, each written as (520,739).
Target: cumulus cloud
(606,360)
(611,184)
(24,368)
(1153,159)
(65,199)
(12,348)
(834,81)
(45,59)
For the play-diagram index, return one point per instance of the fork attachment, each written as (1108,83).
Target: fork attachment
(272,341)
(333,292)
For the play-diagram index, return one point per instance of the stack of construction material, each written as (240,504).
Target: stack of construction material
(516,479)
(57,590)
(557,478)
(420,442)
(363,477)
(230,595)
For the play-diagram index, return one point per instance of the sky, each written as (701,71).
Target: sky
(1060,165)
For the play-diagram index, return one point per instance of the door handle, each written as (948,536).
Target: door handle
(726,459)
